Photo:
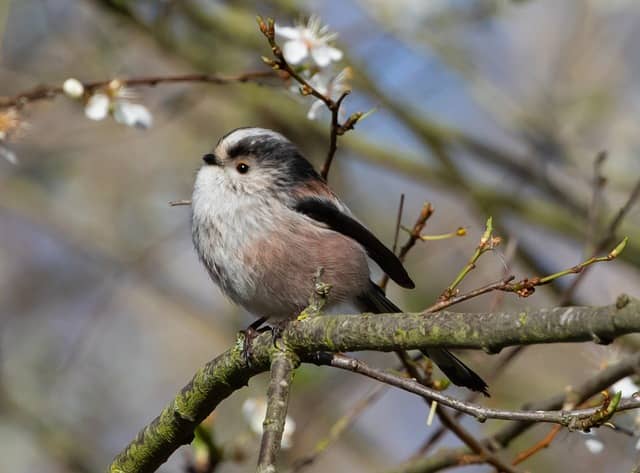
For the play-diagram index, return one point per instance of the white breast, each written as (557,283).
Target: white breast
(224,222)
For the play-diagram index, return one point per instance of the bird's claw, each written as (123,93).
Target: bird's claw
(248,336)
(276,331)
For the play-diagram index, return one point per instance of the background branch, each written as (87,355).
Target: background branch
(449,457)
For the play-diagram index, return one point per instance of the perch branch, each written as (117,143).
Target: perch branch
(229,371)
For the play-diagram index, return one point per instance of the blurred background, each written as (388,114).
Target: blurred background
(482,108)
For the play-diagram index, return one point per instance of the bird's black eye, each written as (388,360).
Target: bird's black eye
(210,159)
(242,168)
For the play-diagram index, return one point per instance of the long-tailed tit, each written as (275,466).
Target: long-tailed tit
(264,221)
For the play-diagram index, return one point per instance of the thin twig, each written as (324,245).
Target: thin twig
(597,185)
(414,235)
(425,380)
(494,286)
(385,277)
(416,231)
(503,286)
(176,203)
(445,419)
(525,287)
(582,419)
(450,423)
(396,234)
(45,92)
(334,131)
(487,243)
(622,213)
(605,241)
(493,375)
(579,394)
(548,439)
(280,64)
(542,444)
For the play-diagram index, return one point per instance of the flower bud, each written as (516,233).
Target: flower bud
(73,88)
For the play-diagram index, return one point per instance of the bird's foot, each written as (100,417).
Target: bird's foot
(276,330)
(249,335)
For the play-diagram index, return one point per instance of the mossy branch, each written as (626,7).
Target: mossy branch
(229,372)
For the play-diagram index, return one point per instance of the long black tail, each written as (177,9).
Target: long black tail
(374,300)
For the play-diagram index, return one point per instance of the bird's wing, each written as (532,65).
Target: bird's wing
(374,300)
(328,213)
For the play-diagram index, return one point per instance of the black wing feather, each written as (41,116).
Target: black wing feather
(328,213)
(374,300)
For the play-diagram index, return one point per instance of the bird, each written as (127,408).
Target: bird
(264,221)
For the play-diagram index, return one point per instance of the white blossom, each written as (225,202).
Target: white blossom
(97,107)
(73,88)
(329,85)
(309,41)
(132,114)
(254,411)
(117,101)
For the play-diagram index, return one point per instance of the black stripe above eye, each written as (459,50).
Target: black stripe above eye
(242,148)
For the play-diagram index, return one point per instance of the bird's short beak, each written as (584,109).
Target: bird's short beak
(211,159)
